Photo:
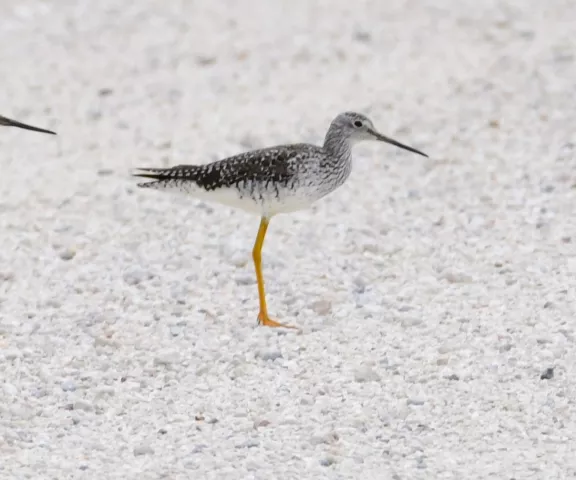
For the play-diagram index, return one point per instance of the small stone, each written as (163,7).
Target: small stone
(68,385)
(328,438)
(359,285)
(22,412)
(548,374)
(363,37)
(454,276)
(105,391)
(135,277)
(321,307)
(67,254)
(10,390)
(289,420)
(143,450)
(248,141)
(415,401)
(261,423)
(167,357)
(6,276)
(205,60)
(248,444)
(38,392)
(105,92)
(238,259)
(94,114)
(82,405)
(245,279)
(327,461)
(269,355)
(105,342)
(199,448)
(410,321)
(370,247)
(365,374)
(175,330)
(452,377)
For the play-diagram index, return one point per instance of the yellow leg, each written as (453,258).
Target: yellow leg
(263,318)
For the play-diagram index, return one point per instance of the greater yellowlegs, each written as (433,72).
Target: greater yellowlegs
(13,123)
(273,180)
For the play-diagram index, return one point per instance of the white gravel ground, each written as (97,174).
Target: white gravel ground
(432,294)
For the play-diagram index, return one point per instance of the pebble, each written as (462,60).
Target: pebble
(135,277)
(167,357)
(330,437)
(327,461)
(12,354)
(269,355)
(245,279)
(68,385)
(143,450)
(67,254)
(10,390)
(199,448)
(454,276)
(261,423)
(248,444)
(548,374)
(38,392)
(82,405)
(366,374)
(105,390)
(410,321)
(321,307)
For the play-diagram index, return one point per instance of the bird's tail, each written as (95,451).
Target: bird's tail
(175,178)
(204,182)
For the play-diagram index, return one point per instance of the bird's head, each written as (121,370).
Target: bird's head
(357,127)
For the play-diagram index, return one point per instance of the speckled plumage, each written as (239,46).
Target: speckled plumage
(272,180)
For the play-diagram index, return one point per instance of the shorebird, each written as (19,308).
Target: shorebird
(13,123)
(273,180)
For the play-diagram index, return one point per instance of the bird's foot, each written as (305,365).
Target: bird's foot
(266,321)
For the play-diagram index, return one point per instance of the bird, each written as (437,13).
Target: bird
(4,121)
(273,180)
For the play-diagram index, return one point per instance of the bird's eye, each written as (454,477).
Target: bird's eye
(358,123)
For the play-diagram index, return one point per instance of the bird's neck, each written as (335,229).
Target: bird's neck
(337,145)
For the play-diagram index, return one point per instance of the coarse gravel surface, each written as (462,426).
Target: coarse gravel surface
(436,296)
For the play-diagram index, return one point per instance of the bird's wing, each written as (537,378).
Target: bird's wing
(275,164)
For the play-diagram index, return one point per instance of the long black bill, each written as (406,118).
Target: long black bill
(395,143)
(13,123)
